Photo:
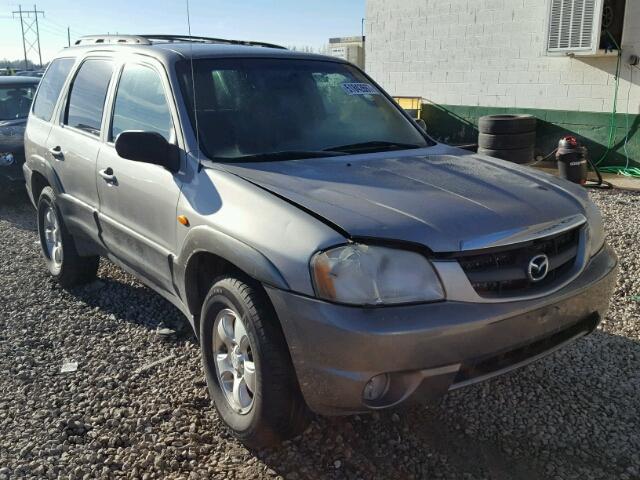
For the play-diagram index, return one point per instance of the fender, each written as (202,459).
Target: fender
(37,164)
(206,239)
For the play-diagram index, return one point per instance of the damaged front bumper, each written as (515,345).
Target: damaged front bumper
(426,350)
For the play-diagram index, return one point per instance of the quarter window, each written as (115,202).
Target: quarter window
(50,87)
(141,103)
(88,93)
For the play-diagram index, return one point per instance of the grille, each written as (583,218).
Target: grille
(503,272)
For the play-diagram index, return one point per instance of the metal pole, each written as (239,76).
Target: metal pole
(68,37)
(35,12)
(362,27)
(24,46)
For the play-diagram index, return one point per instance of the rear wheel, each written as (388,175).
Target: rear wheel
(58,247)
(247,365)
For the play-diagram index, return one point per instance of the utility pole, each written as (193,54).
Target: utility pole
(24,45)
(35,11)
(30,32)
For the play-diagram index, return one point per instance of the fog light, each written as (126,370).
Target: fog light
(6,159)
(376,388)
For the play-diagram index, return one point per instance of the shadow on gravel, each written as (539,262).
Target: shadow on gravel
(132,302)
(574,412)
(17,210)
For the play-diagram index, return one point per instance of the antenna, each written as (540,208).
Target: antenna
(193,88)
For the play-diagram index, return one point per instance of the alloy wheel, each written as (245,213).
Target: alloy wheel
(52,236)
(235,368)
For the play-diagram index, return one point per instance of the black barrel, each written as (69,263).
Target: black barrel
(509,137)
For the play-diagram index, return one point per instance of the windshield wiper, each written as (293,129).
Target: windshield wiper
(282,155)
(377,145)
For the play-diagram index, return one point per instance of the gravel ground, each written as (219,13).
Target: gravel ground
(573,415)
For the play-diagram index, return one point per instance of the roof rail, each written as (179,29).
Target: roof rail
(197,39)
(112,39)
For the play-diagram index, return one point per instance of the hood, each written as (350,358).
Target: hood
(447,202)
(12,135)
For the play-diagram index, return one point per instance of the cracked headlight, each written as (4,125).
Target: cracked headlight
(370,275)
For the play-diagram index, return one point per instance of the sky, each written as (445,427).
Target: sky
(286,22)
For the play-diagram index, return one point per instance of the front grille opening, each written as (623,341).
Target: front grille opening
(504,272)
(488,365)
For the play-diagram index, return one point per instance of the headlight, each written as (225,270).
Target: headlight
(365,275)
(596,228)
(6,159)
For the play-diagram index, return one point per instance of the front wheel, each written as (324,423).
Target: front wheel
(247,365)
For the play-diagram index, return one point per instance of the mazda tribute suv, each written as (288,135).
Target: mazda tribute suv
(330,256)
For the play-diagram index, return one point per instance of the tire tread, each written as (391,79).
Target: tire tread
(292,415)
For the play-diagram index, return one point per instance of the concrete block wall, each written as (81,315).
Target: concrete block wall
(491,53)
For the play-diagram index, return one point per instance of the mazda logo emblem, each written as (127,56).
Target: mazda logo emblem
(538,268)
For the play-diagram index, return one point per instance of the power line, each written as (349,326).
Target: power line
(61,26)
(30,32)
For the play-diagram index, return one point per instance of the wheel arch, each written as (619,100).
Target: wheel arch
(209,254)
(42,175)
(38,182)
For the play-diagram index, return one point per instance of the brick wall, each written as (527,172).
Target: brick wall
(491,53)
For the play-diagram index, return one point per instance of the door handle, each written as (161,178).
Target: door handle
(108,176)
(56,152)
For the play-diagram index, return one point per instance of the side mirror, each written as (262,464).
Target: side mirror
(422,124)
(148,147)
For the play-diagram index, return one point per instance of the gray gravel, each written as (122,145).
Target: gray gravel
(137,405)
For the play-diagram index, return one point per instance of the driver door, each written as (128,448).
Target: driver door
(138,200)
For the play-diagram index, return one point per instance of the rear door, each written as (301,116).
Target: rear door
(74,143)
(138,201)
(42,110)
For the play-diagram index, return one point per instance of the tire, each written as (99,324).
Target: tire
(521,155)
(501,124)
(507,141)
(275,410)
(58,248)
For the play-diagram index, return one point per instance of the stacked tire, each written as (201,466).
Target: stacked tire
(509,137)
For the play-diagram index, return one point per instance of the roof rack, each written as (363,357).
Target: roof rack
(151,39)
(112,39)
(198,39)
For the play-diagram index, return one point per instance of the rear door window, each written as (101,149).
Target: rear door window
(50,87)
(141,103)
(87,96)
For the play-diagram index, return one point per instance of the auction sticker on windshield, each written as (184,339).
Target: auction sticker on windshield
(359,89)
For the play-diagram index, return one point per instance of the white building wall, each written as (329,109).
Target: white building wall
(491,53)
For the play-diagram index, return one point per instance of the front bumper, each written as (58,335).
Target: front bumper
(430,349)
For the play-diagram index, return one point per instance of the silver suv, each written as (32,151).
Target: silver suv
(329,255)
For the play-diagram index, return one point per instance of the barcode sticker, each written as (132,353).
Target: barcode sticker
(359,89)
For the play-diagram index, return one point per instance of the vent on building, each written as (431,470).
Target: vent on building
(585,26)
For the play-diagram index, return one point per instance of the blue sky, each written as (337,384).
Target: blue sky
(287,22)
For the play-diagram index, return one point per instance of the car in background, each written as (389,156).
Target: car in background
(16,94)
(30,73)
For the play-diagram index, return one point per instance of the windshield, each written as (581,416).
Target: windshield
(278,109)
(15,101)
